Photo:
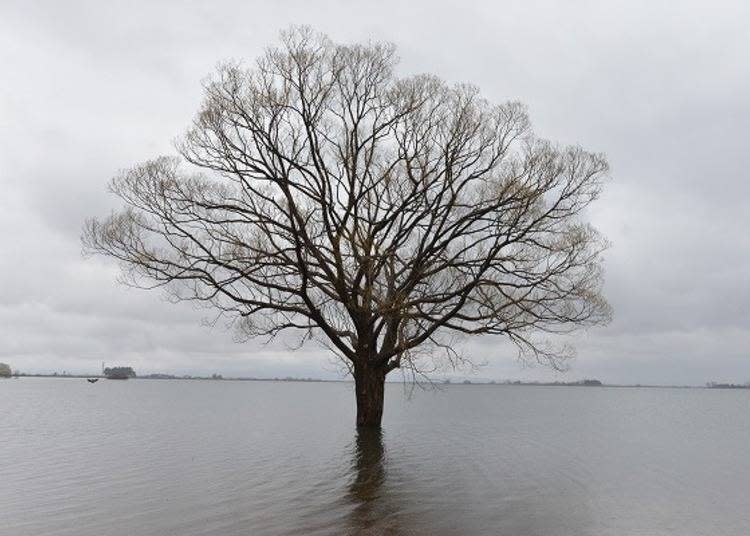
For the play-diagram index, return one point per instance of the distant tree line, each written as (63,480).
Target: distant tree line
(715,385)
(119,373)
(585,383)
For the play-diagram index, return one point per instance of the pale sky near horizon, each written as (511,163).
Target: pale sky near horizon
(90,88)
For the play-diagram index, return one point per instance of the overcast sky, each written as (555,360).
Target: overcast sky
(90,88)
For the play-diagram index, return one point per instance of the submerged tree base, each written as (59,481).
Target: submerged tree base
(370,389)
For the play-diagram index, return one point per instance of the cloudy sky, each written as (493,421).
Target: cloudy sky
(90,88)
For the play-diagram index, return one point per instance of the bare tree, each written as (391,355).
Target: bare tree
(317,191)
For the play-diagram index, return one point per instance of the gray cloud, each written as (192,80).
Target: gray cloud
(90,88)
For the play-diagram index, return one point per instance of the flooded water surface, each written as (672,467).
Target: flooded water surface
(147,457)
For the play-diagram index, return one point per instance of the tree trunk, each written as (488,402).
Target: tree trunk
(369,384)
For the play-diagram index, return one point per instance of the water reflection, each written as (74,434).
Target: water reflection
(369,474)
(368,465)
(380,497)
(480,460)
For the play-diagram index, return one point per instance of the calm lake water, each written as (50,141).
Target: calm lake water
(184,458)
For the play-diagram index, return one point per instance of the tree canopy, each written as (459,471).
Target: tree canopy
(318,191)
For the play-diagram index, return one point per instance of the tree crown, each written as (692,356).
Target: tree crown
(318,191)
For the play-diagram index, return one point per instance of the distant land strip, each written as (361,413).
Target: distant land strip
(578,383)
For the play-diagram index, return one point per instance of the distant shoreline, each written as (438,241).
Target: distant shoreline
(167,377)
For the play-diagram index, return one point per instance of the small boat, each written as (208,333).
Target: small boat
(92,380)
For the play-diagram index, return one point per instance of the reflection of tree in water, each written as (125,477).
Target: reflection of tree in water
(369,473)
(376,508)
(368,465)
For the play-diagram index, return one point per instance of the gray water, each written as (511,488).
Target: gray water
(185,458)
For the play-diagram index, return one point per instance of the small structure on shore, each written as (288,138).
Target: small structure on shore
(591,383)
